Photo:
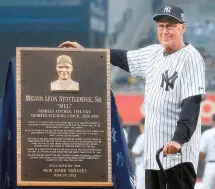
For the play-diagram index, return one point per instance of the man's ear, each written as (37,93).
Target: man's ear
(183,28)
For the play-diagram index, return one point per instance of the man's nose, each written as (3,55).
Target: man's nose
(165,31)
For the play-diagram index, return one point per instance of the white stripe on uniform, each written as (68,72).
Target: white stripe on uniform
(169,80)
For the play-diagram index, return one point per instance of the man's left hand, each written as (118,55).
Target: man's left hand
(171,147)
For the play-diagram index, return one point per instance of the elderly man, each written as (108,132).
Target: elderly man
(175,87)
(64,70)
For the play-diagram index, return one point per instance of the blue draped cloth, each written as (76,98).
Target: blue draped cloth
(122,172)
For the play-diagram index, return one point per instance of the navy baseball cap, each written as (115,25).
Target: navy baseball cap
(171,11)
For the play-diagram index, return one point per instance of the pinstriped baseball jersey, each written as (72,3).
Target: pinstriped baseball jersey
(169,80)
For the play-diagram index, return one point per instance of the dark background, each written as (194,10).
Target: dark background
(36,25)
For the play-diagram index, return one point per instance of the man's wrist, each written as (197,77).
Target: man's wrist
(179,141)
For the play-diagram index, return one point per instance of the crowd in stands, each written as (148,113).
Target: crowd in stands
(203,32)
(126,83)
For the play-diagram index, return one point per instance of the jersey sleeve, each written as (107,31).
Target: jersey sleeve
(138,60)
(193,76)
(138,146)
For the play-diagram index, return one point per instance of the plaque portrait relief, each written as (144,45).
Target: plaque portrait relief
(64,68)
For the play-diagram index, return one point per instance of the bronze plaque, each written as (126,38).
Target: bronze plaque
(63,117)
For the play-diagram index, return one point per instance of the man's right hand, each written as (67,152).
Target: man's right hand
(70,44)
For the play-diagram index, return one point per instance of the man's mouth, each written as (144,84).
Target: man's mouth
(166,38)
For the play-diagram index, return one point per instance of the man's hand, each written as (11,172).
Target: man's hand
(69,44)
(171,147)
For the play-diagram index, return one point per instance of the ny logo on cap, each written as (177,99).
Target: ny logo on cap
(167,9)
(183,17)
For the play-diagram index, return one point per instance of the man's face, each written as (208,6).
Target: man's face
(64,70)
(213,123)
(170,32)
(141,127)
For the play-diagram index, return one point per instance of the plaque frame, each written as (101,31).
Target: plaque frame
(19,124)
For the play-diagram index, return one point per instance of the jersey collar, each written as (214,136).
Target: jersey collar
(166,54)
